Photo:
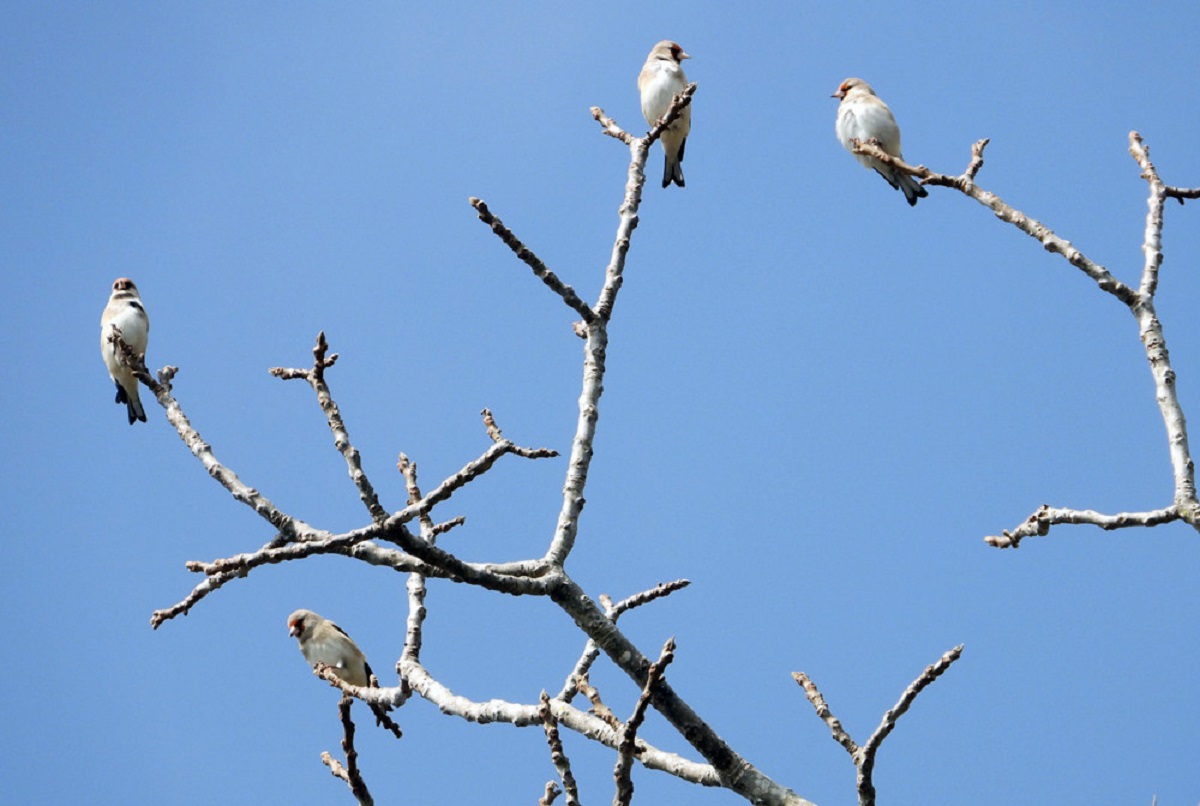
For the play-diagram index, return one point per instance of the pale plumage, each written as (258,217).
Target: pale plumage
(660,80)
(125,311)
(863,116)
(322,641)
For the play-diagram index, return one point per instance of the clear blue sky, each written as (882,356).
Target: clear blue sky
(819,400)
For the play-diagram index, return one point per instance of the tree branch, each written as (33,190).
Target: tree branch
(349,773)
(590,650)
(864,757)
(379,700)
(551,794)
(587,725)
(735,772)
(341,437)
(557,757)
(596,333)
(1140,303)
(523,252)
(1038,524)
(623,773)
(1030,226)
(291,528)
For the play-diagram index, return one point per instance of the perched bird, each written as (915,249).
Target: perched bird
(322,641)
(660,80)
(862,116)
(125,311)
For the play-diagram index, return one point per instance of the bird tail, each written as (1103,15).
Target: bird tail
(133,407)
(672,172)
(673,165)
(912,189)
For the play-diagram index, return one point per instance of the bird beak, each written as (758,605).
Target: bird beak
(294,630)
(683,56)
(839,95)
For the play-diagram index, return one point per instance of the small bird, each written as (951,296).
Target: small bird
(322,641)
(125,312)
(862,116)
(660,80)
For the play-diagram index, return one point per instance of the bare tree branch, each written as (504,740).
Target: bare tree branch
(1030,226)
(489,424)
(818,702)
(292,528)
(596,330)
(533,261)
(422,558)
(341,437)
(888,724)
(349,773)
(591,652)
(610,127)
(1140,303)
(864,756)
(377,699)
(408,469)
(736,773)
(587,725)
(623,773)
(584,686)
(552,793)
(1038,524)
(1151,332)
(557,757)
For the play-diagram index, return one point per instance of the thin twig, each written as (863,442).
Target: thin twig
(350,772)
(551,794)
(557,757)
(523,252)
(408,469)
(315,378)
(584,686)
(823,711)
(623,772)
(489,423)
(866,788)
(864,756)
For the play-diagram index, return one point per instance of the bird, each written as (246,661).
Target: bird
(660,80)
(863,116)
(125,312)
(322,641)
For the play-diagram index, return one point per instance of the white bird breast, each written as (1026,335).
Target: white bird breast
(661,91)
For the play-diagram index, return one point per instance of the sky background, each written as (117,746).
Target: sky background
(818,400)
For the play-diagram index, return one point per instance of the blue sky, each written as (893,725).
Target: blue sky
(818,400)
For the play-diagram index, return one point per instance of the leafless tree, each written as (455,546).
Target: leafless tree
(407,540)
